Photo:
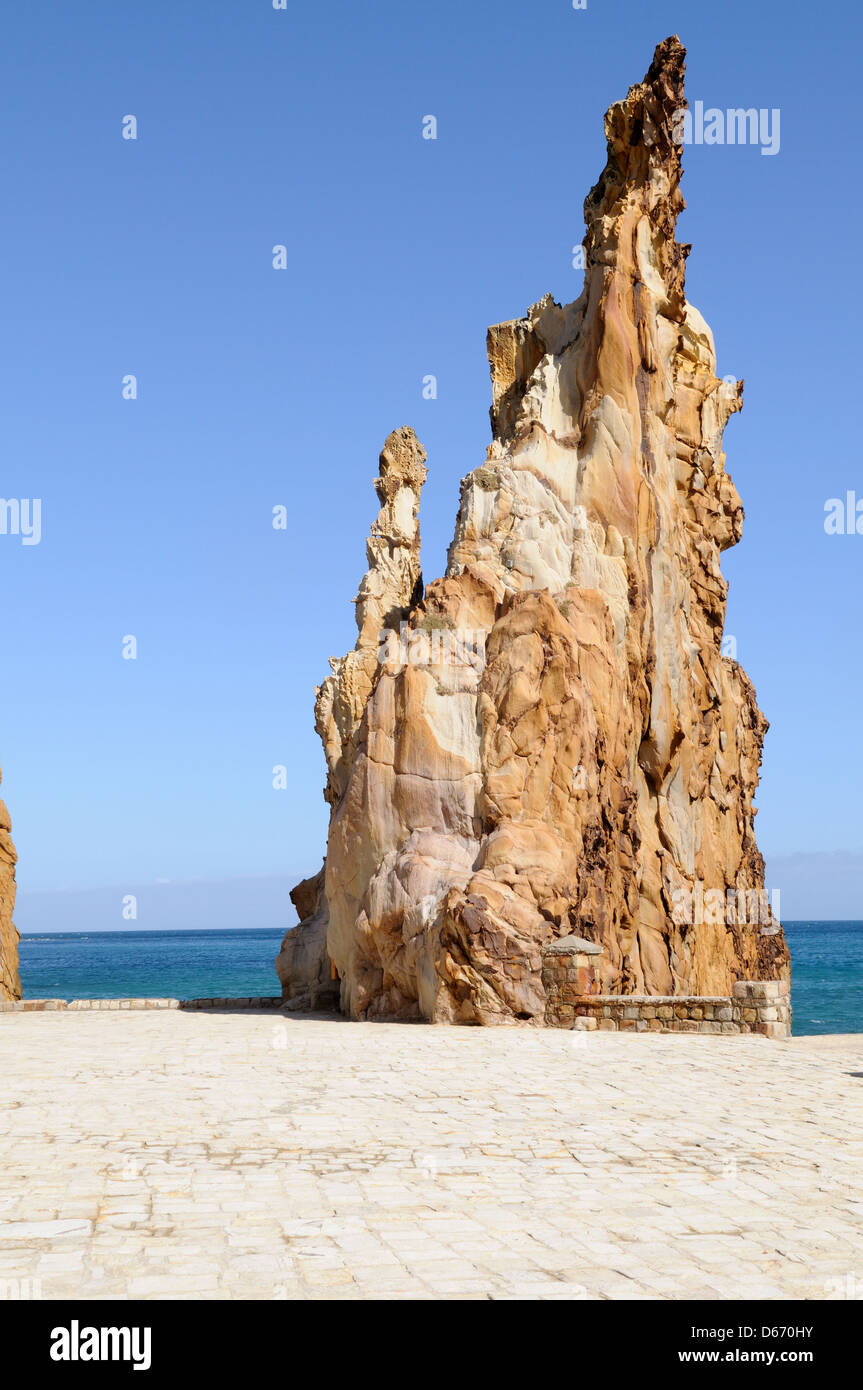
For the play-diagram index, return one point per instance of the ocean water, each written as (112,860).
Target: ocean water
(826,976)
(826,960)
(135,964)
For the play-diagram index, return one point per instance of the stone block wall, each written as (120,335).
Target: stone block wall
(757,1006)
(571,979)
(53,1005)
(569,973)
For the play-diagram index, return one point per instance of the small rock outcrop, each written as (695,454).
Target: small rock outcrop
(10,984)
(549,740)
(303,964)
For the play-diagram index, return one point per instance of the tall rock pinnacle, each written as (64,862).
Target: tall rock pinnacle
(10,985)
(555,743)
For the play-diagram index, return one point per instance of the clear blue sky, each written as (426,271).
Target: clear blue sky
(259,387)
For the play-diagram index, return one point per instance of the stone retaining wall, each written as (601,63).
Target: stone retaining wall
(756,1006)
(40,1005)
(570,974)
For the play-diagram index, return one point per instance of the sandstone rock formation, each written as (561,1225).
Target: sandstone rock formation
(303,964)
(550,739)
(10,985)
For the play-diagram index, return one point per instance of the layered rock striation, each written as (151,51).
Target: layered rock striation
(10,985)
(549,740)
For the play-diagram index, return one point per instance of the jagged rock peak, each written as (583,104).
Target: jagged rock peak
(644,166)
(557,745)
(393,581)
(390,587)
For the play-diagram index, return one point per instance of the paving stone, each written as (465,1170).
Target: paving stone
(171,1153)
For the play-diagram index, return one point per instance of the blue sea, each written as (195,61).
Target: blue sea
(826,960)
(144,964)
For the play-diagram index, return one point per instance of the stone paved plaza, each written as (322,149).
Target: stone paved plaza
(251,1155)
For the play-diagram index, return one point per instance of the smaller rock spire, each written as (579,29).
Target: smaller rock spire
(10,984)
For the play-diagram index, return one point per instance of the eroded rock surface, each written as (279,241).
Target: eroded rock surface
(303,964)
(10,985)
(556,743)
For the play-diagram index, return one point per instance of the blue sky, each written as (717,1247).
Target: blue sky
(259,387)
